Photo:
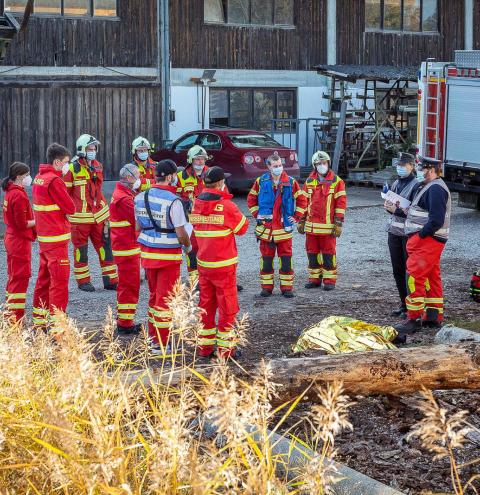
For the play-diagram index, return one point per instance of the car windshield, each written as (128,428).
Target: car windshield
(253,141)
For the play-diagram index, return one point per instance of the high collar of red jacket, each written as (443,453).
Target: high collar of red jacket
(329,177)
(46,167)
(284,178)
(12,186)
(166,188)
(126,189)
(223,194)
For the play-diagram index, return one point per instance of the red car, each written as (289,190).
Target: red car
(240,152)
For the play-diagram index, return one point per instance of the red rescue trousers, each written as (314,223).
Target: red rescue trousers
(19,257)
(128,288)
(192,267)
(80,235)
(424,279)
(283,250)
(218,292)
(160,283)
(322,258)
(51,289)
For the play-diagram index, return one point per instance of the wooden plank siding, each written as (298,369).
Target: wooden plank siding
(126,41)
(33,117)
(356,46)
(196,44)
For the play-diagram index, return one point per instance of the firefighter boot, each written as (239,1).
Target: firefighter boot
(399,313)
(328,287)
(265,293)
(288,294)
(407,328)
(107,285)
(129,330)
(88,287)
(312,285)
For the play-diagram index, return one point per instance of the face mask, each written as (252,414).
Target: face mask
(420,175)
(65,168)
(174,181)
(136,185)
(322,169)
(223,187)
(402,171)
(27,181)
(91,155)
(277,170)
(198,168)
(143,156)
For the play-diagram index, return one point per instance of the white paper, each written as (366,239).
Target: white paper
(189,229)
(396,198)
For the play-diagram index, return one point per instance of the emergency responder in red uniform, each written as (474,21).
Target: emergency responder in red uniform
(427,227)
(84,181)
(161,219)
(327,201)
(141,159)
(126,250)
(216,220)
(278,203)
(51,205)
(190,185)
(18,218)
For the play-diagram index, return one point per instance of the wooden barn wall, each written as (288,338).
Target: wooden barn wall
(476,25)
(196,44)
(127,41)
(355,46)
(34,117)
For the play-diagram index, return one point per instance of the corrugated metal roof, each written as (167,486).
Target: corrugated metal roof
(371,72)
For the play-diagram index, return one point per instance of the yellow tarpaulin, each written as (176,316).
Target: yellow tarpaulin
(340,334)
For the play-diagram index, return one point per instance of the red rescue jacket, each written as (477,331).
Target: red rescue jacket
(216,220)
(147,173)
(17,212)
(190,185)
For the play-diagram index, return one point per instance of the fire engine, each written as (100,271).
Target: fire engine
(449,121)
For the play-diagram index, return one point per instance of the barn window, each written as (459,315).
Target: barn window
(89,8)
(251,108)
(412,16)
(249,12)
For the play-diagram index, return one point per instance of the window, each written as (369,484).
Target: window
(249,12)
(411,16)
(186,143)
(253,141)
(97,8)
(210,142)
(252,108)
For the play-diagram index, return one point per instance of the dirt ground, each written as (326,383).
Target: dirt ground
(377,447)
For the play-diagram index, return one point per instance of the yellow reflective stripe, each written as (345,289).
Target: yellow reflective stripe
(339,193)
(226,343)
(79,182)
(109,268)
(126,306)
(253,209)
(158,256)
(161,313)
(17,295)
(340,210)
(217,264)
(15,305)
(46,207)
(54,238)
(82,215)
(123,223)
(300,210)
(69,184)
(212,233)
(204,341)
(102,212)
(207,331)
(126,316)
(128,252)
(434,300)
(40,311)
(253,192)
(240,224)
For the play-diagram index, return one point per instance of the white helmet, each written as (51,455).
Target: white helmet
(319,156)
(140,142)
(196,152)
(83,141)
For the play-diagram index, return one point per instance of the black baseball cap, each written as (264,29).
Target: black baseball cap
(429,163)
(405,158)
(215,174)
(165,167)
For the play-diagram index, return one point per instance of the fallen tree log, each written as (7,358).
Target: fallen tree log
(395,372)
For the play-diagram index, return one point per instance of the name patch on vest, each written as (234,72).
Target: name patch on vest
(212,219)
(38,181)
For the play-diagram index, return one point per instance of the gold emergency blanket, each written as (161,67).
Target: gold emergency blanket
(340,334)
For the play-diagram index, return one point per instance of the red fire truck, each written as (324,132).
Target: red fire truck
(449,121)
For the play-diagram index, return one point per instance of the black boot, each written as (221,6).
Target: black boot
(399,313)
(265,293)
(431,324)
(239,288)
(328,287)
(110,286)
(312,285)
(88,287)
(288,294)
(407,328)
(135,329)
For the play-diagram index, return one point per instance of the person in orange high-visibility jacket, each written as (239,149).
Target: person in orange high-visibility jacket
(126,250)
(322,224)
(18,218)
(51,206)
(216,220)
(190,184)
(277,202)
(142,160)
(84,181)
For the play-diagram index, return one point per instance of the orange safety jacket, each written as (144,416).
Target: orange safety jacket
(84,183)
(147,173)
(216,220)
(17,212)
(273,230)
(122,223)
(51,205)
(327,201)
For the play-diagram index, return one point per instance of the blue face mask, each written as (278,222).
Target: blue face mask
(143,156)
(420,175)
(402,171)
(277,171)
(91,155)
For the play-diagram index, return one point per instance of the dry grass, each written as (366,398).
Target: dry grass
(71,423)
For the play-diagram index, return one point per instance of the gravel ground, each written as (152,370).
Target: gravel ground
(365,290)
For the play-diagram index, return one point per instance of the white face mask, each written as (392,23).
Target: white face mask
(65,168)
(174,181)
(91,155)
(198,168)
(137,184)
(322,169)
(277,170)
(27,181)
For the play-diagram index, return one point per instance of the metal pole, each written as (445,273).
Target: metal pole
(163,65)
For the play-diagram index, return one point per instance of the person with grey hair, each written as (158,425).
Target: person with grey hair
(126,251)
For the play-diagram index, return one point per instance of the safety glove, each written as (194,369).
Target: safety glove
(301,226)
(337,228)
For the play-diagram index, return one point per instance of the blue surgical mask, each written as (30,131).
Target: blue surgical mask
(91,155)
(402,171)
(277,170)
(143,156)
(420,175)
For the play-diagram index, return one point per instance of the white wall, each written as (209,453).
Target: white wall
(184,102)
